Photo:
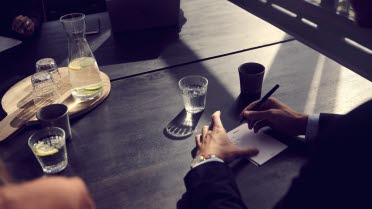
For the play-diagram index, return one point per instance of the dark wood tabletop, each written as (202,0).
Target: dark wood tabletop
(207,29)
(122,153)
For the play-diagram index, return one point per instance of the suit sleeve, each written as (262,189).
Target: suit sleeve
(338,172)
(325,121)
(211,186)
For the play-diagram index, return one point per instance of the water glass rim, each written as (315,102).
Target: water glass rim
(63,135)
(72,17)
(190,77)
(45,63)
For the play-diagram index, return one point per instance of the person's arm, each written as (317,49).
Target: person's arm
(46,193)
(326,120)
(276,115)
(27,19)
(211,185)
(282,118)
(337,173)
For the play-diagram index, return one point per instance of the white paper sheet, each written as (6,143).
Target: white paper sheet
(267,145)
(7,43)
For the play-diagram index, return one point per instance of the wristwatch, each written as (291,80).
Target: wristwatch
(200,158)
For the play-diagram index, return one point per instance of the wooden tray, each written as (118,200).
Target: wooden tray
(19,106)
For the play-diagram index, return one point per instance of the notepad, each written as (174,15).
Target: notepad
(267,145)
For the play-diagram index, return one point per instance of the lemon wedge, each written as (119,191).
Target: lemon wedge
(79,63)
(94,87)
(43,150)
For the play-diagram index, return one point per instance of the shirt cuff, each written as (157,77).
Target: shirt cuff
(214,159)
(312,128)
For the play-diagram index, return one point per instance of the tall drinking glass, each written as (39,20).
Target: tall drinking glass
(194,93)
(83,69)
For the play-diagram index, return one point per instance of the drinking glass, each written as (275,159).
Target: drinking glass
(49,148)
(194,93)
(84,73)
(44,89)
(49,65)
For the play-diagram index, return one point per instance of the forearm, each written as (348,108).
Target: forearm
(212,185)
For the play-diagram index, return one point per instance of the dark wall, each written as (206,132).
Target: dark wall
(56,8)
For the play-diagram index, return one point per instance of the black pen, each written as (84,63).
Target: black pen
(263,100)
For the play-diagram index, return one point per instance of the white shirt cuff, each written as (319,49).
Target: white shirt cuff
(213,159)
(312,128)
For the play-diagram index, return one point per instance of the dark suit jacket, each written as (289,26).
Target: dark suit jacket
(337,175)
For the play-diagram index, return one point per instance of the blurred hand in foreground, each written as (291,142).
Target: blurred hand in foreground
(46,193)
(276,115)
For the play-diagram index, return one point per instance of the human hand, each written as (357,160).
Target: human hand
(276,115)
(49,192)
(214,140)
(23,25)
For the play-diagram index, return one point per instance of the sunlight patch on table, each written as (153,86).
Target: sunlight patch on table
(315,84)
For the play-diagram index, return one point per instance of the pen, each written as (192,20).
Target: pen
(263,100)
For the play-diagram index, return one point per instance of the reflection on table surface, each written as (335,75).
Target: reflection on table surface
(340,7)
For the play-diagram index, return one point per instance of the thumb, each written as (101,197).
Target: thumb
(216,120)
(258,115)
(246,152)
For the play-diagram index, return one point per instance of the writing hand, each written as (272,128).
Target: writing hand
(276,115)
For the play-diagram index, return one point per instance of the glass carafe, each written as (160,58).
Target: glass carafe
(83,69)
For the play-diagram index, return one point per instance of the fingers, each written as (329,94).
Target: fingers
(216,120)
(260,124)
(84,201)
(205,131)
(23,25)
(258,115)
(249,107)
(271,103)
(29,32)
(246,152)
(198,140)
(87,202)
(30,25)
(18,21)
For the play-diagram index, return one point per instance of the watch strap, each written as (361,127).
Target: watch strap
(201,159)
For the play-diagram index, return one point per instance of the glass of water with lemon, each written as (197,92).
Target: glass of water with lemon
(84,73)
(49,148)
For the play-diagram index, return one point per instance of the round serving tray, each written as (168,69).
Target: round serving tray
(18,104)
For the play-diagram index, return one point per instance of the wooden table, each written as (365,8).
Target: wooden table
(121,152)
(320,27)
(209,28)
